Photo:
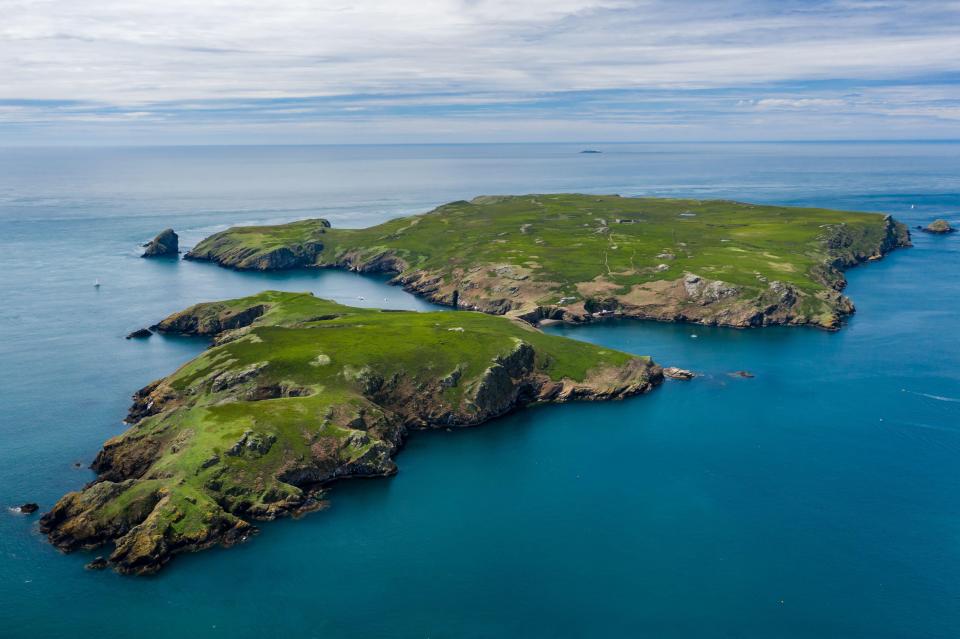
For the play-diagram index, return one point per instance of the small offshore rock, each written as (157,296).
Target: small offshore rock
(939,227)
(99,563)
(29,508)
(678,373)
(165,243)
(744,374)
(140,333)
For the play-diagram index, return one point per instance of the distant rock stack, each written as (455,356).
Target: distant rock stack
(166,243)
(939,226)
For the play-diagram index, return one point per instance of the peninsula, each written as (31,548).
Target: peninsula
(297,392)
(577,258)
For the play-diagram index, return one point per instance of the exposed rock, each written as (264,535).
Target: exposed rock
(140,333)
(229,379)
(519,361)
(744,374)
(253,443)
(165,244)
(451,380)
(678,373)
(214,319)
(99,563)
(286,258)
(708,291)
(29,508)
(939,227)
(496,391)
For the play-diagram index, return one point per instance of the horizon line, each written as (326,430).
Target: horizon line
(467,143)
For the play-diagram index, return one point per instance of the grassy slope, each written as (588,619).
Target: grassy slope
(332,390)
(611,243)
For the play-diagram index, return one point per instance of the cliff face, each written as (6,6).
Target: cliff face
(296,393)
(166,243)
(581,258)
(295,245)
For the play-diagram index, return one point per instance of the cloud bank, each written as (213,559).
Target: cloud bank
(133,71)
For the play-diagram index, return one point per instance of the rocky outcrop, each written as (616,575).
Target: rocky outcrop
(209,319)
(165,244)
(678,373)
(140,333)
(939,227)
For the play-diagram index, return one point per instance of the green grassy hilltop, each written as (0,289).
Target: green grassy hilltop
(296,392)
(577,257)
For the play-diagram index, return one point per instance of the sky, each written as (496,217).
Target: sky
(398,71)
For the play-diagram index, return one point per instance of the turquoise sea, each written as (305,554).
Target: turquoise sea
(819,499)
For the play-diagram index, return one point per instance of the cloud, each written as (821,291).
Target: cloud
(797,103)
(188,64)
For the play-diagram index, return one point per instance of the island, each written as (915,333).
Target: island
(939,227)
(297,392)
(577,258)
(165,244)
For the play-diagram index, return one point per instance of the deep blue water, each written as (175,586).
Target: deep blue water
(819,499)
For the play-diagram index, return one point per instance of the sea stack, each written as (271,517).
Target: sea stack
(678,373)
(939,227)
(164,244)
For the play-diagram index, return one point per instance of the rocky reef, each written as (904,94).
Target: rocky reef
(165,244)
(579,258)
(939,227)
(295,393)
(682,374)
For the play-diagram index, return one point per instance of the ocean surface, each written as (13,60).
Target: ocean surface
(819,499)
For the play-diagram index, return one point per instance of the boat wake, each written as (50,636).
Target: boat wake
(939,398)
